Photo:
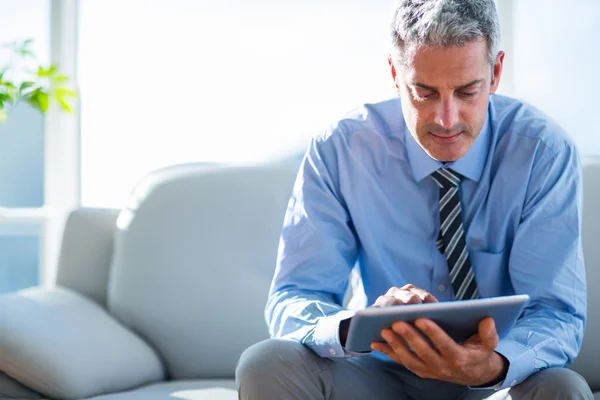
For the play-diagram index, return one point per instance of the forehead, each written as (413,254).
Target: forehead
(441,66)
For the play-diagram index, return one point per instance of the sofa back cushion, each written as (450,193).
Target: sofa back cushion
(195,253)
(588,362)
(86,252)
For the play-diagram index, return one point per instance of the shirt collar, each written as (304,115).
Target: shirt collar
(470,165)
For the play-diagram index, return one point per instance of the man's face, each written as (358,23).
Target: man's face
(444,93)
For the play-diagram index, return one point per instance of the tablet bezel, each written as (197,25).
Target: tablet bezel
(473,309)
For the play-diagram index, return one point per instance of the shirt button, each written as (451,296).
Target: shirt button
(441,288)
(332,352)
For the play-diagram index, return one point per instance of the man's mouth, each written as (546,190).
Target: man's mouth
(453,137)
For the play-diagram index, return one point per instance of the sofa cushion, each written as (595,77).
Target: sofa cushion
(194,257)
(65,346)
(179,390)
(86,252)
(588,363)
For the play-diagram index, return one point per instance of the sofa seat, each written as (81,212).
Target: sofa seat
(204,389)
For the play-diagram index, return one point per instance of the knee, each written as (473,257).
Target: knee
(558,383)
(269,358)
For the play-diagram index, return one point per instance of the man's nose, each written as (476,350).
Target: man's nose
(447,114)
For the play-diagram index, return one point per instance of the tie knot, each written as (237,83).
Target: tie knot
(446,178)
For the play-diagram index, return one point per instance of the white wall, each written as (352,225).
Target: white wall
(557,63)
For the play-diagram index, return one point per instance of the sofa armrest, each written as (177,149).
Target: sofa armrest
(86,252)
(65,346)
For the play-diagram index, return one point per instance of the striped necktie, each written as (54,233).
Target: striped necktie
(451,238)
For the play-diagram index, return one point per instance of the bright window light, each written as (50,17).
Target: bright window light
(166,82)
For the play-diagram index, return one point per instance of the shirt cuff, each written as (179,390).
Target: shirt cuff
(497,386)
(327,335)
(521,359)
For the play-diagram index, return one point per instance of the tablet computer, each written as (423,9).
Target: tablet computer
(459,319)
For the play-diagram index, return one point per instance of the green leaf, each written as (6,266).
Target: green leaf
(46,72)
(5,97)
(26,85)
(63,95)
(25,89)
(27,53)
(39,99)
(59,78)
(8,95)
(43,101)
(3,100)
(46,83)
(7,84)
(24,48)
(64,92)
(65,106)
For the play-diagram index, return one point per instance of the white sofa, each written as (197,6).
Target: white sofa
(157,301)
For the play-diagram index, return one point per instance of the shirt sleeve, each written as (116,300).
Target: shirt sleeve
(546,262)
(317,251)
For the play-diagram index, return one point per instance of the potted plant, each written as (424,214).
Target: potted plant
(24,79)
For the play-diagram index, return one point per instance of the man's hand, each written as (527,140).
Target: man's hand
(474,363)
(407,294)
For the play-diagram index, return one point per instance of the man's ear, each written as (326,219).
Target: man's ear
(393,69)
(497,72)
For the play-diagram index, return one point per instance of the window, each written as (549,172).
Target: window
(19,255)
(170,81)
(166,82)
(22,156)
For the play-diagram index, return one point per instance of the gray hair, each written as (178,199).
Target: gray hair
(442,23)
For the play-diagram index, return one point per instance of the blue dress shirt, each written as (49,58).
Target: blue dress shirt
(363,195)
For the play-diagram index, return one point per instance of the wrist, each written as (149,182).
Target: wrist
(499,367)
(343,330)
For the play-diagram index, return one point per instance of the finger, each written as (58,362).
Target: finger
(392,290)
(386,301)
(488,334)
(408,286)
(402,294)
(421,347)
(447,347)
(386,349)
(408,297)
(425,296)
(403,354)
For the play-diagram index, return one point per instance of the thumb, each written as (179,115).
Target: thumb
(488,334)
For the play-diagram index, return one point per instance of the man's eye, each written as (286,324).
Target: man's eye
(425,95)
(467,94)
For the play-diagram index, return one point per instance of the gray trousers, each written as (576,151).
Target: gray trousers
(284,369)
(11,389)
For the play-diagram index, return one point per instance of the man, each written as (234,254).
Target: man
(448,193)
